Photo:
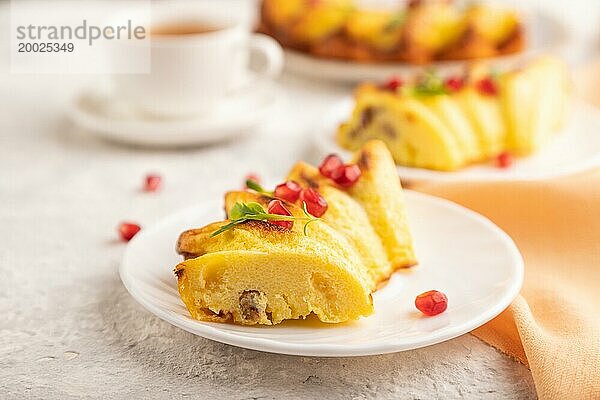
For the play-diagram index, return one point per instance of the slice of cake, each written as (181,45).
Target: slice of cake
(380,193)
(347,216)
(518,105)
(266,287)
(453,116)
(261,273)
(534,103)
(485,115)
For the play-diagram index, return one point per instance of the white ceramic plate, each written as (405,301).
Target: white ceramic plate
(460,253)
(575,149)
(104,115)
(546,34)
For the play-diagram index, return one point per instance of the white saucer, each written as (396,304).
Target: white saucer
(575,149)
(546,34)
(460,253)
(105,115)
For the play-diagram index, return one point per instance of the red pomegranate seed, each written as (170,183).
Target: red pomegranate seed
(330,164)
(127,230)
(277,207)
(504,160)
(346,175)
(152,183)
(487,86)
(288,191)
(315,203)
(431,303)
(393,83)
(454,83)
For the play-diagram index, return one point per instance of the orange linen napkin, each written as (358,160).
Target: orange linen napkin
(554,324)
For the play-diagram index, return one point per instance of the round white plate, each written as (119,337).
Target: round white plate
(575,149)
(460,253)
(105,115)
(546,34)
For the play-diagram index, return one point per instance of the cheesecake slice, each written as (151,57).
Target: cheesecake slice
(282,274)
(266,287)
(380,193)
(485,115)
(348,216)
(534,101)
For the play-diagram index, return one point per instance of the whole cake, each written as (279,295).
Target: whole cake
(445,124)
(320,243)
(421,32)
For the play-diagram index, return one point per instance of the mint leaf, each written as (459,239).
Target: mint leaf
(242,212)
(245,210)
(254,208)
(237,211)
(430,85)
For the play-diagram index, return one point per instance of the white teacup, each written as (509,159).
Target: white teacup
(196,61)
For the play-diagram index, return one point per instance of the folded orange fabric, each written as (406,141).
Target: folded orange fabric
(554,325)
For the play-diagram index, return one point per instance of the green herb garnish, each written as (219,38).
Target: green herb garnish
(431,84)
(494,74)
(310,218)
(253,185)
(243,212)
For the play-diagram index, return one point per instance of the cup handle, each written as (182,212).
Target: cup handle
(272,53)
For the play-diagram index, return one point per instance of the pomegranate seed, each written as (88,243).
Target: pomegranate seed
(277,207)
(315,203)
(393,83)
(487,86)
(346,175)
(127,230)
(152,183)
(431,303)
(504,160)
(454,83)
(330,164)
(288,191)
